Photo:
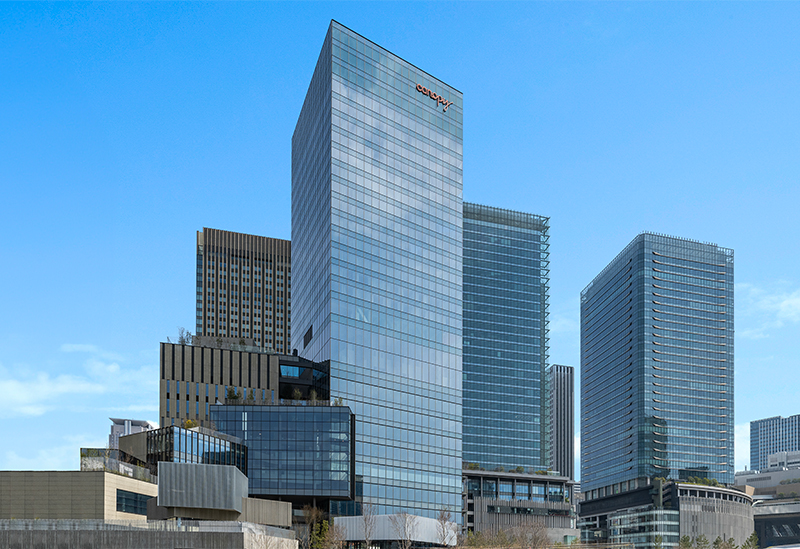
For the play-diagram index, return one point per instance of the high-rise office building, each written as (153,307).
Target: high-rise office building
(506,285)
(772,435)
(562,418)
(377,244)
(657,366)
(244,288)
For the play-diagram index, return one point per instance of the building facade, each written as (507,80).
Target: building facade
(499,501)
(377,244)
(562,418)
(121,427)
(773,435)
(298,453)
(506,288)
(99,495)
(670,510)
(194,377)
(657,366)
(177,445)
(244,288)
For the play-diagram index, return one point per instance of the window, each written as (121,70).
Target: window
(131,502)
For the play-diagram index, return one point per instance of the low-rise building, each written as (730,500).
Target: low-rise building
(667,510)
(495,500)
(777,522)
(100,495)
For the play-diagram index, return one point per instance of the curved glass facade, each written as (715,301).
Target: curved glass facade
(657,366)
(377,244)
(506,285)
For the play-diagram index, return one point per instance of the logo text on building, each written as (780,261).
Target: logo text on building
(436,97)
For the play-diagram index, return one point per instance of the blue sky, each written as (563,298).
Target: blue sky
(125,128)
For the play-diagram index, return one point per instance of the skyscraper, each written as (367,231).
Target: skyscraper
(657,366)
(562,418)
(244,288)
(377,244)
(506,285)
(772,435)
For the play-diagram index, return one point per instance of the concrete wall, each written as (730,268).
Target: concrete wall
(67,494)
(714,517)
(96,534)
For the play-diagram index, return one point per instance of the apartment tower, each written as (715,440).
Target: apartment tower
(657,366)
(377,244)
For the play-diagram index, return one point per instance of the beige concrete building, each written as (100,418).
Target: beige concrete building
(194,377)
(73,495)
(244,288)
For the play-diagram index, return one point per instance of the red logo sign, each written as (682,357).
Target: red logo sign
(436,97)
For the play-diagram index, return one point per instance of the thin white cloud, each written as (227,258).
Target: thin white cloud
(761,310)
(90,349)
(34,395)
(55,458)
(28,392)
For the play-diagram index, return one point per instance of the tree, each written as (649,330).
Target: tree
(335,536)
(312,396)
(319,535)
(296,394)
(532,534)
(405,528)
(658,542)
(184,336)
(233,394)
(311,515)
(751,542)
(728,543)
(686,543)
(701,542)
(443,526)
(189,424)
(368,518)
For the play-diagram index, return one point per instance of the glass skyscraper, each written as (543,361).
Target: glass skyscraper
(506,286)
(377,261)
(657,366)
(772,435)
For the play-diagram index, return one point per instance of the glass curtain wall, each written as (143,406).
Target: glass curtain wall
(506,286)
(377,244)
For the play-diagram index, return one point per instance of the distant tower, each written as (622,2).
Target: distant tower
(244,288)
(772,435)
(562,418)
(657,366)
(122,427)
